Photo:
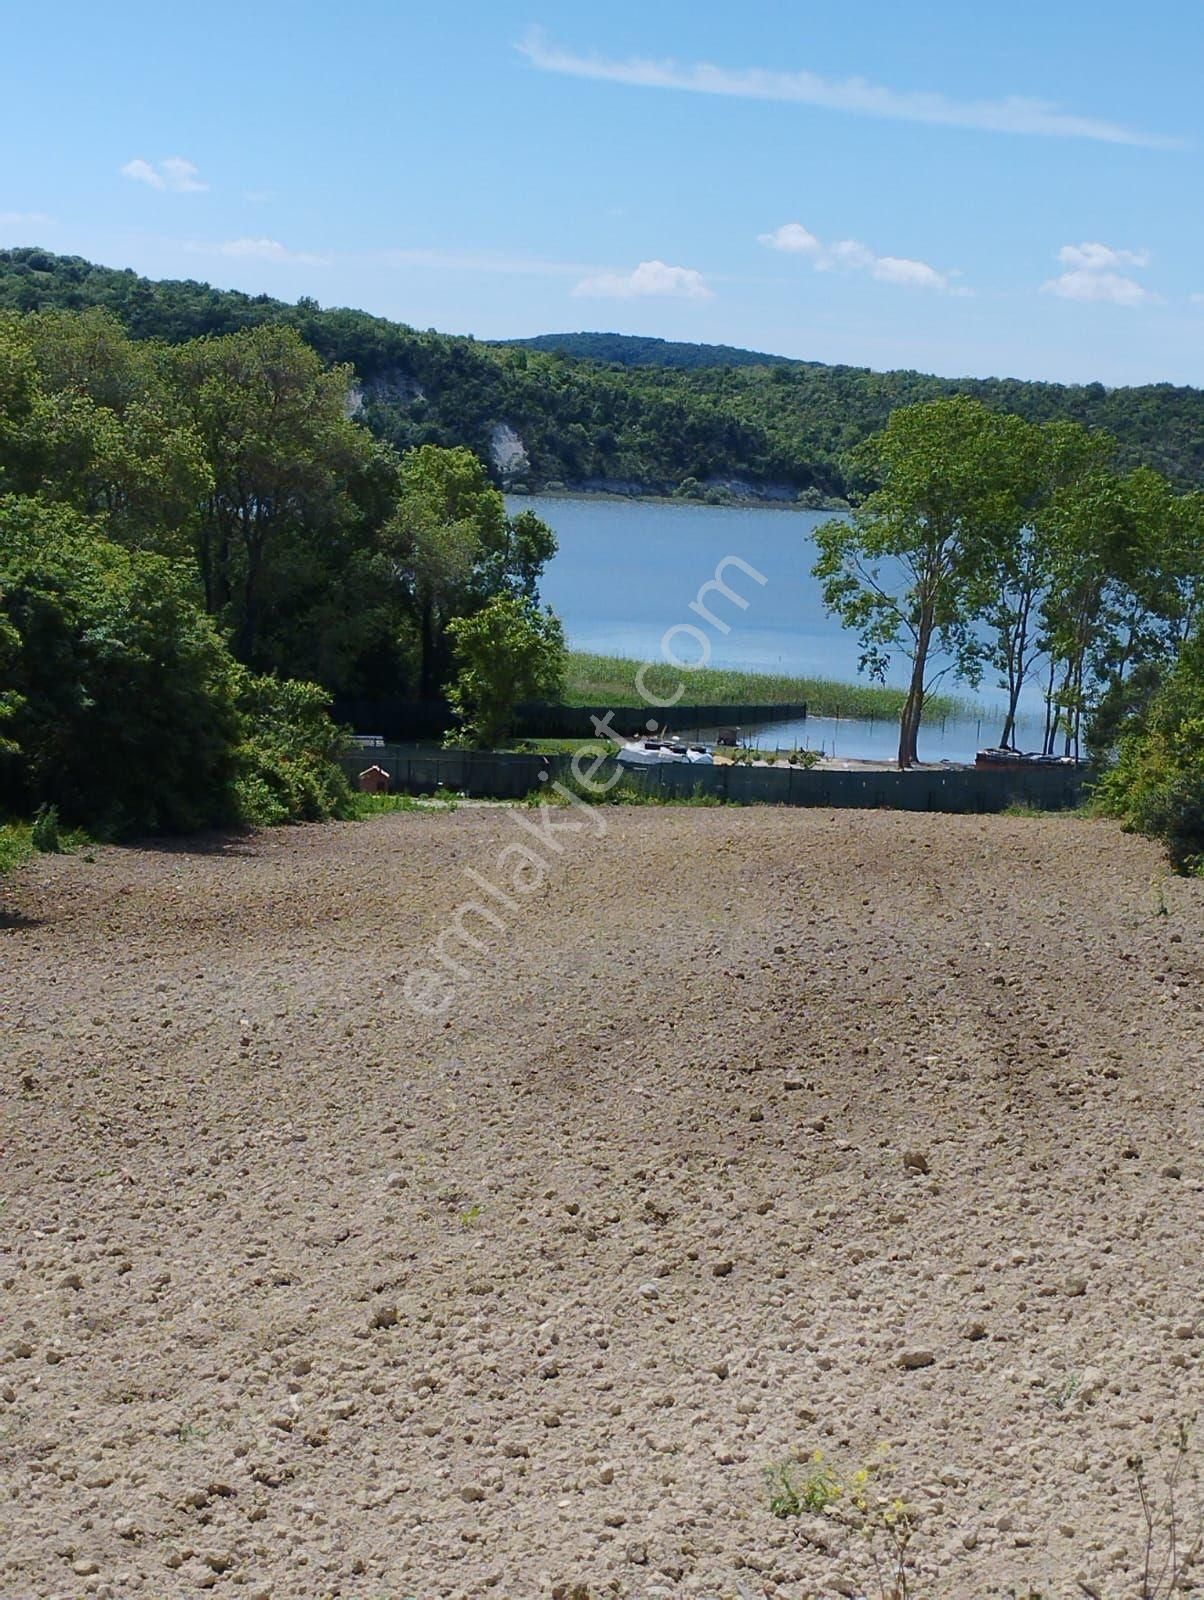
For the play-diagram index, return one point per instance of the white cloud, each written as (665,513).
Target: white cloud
(850,255)
(1095,257)
(1093,277)
(1013,114)
(25,219)
(262,250)
(793,238)
(916,274)
(254,250)
(174,174)
(649,278)
(1097,287)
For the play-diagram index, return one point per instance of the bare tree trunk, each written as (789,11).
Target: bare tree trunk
(913,706)
(1047,742)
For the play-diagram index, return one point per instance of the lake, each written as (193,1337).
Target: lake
(627,570)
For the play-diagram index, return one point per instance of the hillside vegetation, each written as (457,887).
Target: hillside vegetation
(667,418)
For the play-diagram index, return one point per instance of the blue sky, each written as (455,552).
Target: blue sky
(961,189)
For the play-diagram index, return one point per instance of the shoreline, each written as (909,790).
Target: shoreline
(651,497)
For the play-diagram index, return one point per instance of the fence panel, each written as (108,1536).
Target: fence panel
(496,775)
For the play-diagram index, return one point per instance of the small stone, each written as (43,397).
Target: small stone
(606,1472)
(637,1554)
(385,1316)
(915,1160)
(648,1291)
(125,1528)
(1076,1286)
(912,1360)
(1172,1170)
(722,1269)
(471,1493)
(974,1330)
(71,1280)
(84,1568)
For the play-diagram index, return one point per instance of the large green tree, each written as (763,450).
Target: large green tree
(90,420)
(507,652)
(120,695)
(287,464)
(914,569)
(454,548)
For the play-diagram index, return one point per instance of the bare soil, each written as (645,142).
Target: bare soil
(749,1133)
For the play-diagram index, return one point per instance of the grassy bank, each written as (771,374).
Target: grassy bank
(611,680)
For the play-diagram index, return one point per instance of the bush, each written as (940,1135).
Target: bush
(121,708)
(288,761)
(506,652)
(119,695)
(45,835)
(1156,786)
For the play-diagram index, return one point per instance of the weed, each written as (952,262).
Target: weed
(885,1525)
(1169,1549)
(467,1218)
(45,835)
(795,1487)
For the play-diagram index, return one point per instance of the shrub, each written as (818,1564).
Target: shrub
(44,835)
(288,761)
(506,652)
(119,694)
(1156,786)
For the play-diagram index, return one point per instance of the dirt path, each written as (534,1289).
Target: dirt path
(303,1294)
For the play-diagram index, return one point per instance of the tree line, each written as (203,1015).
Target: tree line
(668,417)
(194,538)
(996,545)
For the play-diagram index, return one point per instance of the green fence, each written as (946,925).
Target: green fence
(490,775)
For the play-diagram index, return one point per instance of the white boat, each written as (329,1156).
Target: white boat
(657,752)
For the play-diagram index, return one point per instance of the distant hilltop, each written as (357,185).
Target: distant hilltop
(633,415)
(636,350)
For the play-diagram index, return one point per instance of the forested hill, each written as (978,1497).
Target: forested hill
(635,350)
(667,423)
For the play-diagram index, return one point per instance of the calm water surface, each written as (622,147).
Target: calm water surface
(627,570)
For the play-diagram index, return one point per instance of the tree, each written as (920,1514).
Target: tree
(1058,454)
(284,458)
(1112,595)
(106,432)
(120,693)
(911,571)
(1157,784)
(507,652)
(454,548)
